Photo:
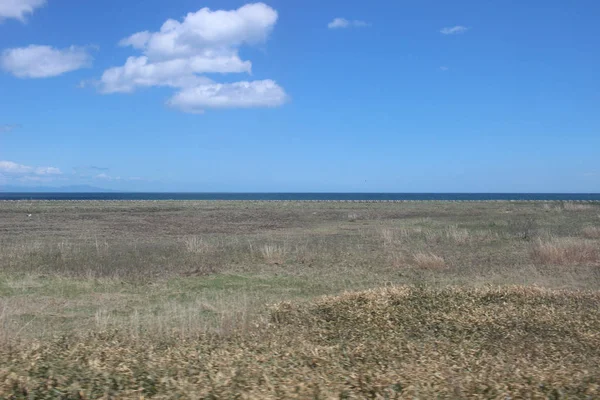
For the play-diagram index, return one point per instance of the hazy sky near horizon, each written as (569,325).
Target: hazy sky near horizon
(289,95)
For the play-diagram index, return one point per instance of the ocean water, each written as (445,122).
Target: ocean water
(304,196)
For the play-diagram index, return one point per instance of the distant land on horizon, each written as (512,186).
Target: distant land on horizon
(92,193)
(94,189)
(54,189)
(6,189)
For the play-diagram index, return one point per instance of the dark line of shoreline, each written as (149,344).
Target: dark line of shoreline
(308,201)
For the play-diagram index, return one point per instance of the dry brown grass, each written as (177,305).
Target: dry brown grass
(399,342)
(388,235)
(196,245)
(457,235)
(591,232)
(565,251)
(428,261)
(451,234)
(273,253)
(572,206)
(353,217)
(167,299)
(126,257)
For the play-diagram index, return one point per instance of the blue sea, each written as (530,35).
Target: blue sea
(304,196)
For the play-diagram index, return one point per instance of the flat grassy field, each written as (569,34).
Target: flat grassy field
(193,299)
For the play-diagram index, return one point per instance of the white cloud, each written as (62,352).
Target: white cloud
(338,23)
(443,68)
(137,40)
(12,168)
(264,93)
(47,171)
(181,52)
(178,73)
(454,30)
(360,24)
(105,177)
(206,29)
(43,61)
(17,9)
(37,179)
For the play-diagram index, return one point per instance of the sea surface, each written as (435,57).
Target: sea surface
(304,196)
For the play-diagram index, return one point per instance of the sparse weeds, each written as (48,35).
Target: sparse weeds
(456,235)
(572,206)
(353,217)
(102,319)
(388,235)
(523,228)
(274,253)
(428,260)
(591,232)
(449,234)
(196,245)
(4,323)
(565,251)
(398,259)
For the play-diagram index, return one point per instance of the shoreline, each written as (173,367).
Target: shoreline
(301,201)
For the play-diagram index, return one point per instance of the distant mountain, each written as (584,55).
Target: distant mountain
(53,189)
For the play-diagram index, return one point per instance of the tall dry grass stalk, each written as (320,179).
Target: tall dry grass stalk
(102,319)
(457,235)
(353,217)
(4,323)
(571,206)
(565,251)
(196,245)
(13,329)
(273,253)
(591,232)
(452,234)
(388,236)
(549,207)
(179,320)
(429,261)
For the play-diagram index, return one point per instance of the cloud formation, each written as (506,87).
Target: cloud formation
(265,93)
(17,9)
(96,168)
(205,41)
(12,168)
(454,30)
(36,61)
(338,23)
(106,177)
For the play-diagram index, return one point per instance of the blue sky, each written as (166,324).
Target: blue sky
(287,95)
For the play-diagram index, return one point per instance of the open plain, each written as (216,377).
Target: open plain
(202,299)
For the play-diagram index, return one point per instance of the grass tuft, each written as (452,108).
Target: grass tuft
(565,251)
(273,253)
(572,206)
(591,232)
(196,245)
(457,235)
(429,261)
